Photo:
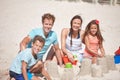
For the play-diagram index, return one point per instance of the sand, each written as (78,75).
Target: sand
(17,18)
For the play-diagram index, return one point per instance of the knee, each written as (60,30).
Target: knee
(39,64)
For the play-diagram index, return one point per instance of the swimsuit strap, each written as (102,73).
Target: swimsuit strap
(77,36)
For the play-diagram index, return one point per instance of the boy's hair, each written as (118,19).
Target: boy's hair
(39,38)
(48,16)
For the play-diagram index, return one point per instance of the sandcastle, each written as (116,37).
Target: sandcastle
(102,67)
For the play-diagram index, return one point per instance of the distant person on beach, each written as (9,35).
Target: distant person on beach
(24,62)
(71,39)
(50,39)
(93,41)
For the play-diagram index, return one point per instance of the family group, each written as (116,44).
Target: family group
(37,42)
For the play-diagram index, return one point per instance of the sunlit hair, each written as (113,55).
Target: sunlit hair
(39,38)
(98,33)
(49,17)
(71,22)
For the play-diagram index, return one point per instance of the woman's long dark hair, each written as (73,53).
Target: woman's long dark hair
(71,30)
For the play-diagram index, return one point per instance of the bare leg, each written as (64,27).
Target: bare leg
(56,54)
(51,53)
(94,60)
(45,73)
(12,79)
(35,78)
(37,67)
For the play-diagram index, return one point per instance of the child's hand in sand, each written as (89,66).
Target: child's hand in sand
(101,55)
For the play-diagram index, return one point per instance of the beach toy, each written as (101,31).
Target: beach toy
(65,59)
(29,74)
(117,52)
(68,65)
(75,57)
(75,60)
(117,59)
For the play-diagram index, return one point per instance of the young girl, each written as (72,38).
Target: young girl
(93,41)
(71,43)
(22,65)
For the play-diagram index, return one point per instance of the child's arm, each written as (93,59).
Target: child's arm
(102,50)
(24,70)
(88,47)
(45,73)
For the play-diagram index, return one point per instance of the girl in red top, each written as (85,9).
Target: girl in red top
(93,41)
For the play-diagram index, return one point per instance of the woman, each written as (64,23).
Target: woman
(71,39)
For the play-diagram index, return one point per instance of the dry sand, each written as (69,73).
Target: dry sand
(18,17)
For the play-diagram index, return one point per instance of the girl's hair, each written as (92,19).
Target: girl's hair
(48,16)
(71,30)
(39,38)
(98,34)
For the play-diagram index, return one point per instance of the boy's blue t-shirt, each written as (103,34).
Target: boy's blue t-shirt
(51,39)
(25,55)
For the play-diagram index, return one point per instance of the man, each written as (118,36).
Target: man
(49,36)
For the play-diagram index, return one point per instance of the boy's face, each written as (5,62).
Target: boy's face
(47,25)
(36,47)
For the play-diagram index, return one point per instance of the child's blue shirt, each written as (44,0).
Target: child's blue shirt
(25,55)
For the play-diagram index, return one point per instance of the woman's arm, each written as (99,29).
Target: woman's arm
(64,34)
(24,70)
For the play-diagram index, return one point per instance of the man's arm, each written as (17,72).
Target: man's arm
(24,42)
(58,54)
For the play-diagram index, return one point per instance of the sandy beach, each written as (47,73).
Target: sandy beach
(17,18)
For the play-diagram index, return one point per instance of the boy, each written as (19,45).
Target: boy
(25,61)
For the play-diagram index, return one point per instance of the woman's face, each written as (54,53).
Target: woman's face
(47,25)
(93,29)
(76,24)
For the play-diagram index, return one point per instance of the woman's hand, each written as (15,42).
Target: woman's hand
(70,56)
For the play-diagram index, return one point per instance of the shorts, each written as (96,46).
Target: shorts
(16,76)
(29,74)
(20,76)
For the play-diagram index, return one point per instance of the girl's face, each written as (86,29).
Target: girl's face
(47,25)
(36,47)
(76,24)
(93,29)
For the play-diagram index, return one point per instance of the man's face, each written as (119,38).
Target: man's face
(47,25)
